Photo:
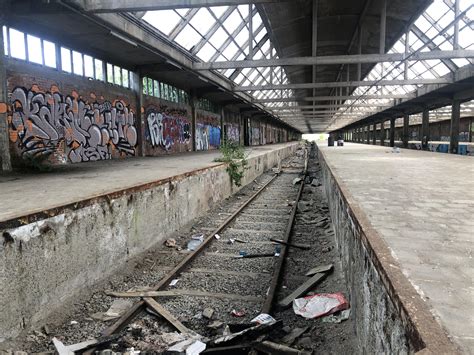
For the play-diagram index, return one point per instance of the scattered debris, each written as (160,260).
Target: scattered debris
(263,255)
(195,241)
(338,318)
(215,324)
(231,241)
(170,243)
(305,287)
(247,334)
(61,348)
(46,329)
(269,347)
(304,342)
(293,335)
(208,313)
(263,318)
(320,305)
(237,313)
(217,236)
(297,180)
(240,240)
(174,282)
(73,322)
(188,347)
(118,307)
(158,308)
(299,246)
(319,269)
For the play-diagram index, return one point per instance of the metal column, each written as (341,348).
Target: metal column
(406,123)
(454,132)
(382,133)
(425,129)
(5,159)
(374,134)
(392,132)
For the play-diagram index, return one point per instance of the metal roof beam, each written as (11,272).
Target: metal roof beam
(328,98)
(336,59)
(343,84)
(103,6)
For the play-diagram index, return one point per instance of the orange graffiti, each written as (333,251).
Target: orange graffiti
(3,107)
(75,144)
(54,89)
(13,135)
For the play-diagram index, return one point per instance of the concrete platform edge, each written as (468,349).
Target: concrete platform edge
(425,333)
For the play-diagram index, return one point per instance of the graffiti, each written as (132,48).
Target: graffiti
(207,136)
(232,133)
(41,122)
(165,129)
(255,136)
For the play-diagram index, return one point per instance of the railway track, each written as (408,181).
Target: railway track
(235,275)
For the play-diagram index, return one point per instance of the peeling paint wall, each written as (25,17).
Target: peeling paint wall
(45,263)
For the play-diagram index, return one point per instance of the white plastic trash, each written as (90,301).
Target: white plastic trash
(320,305)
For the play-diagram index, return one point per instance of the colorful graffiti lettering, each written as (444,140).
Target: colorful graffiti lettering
(40,122)
(255,136)
(207,136)
(232,133)
(164,129)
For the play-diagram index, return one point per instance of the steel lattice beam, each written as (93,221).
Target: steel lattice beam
(336,59)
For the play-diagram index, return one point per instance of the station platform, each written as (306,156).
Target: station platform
(421,204)
(32,193)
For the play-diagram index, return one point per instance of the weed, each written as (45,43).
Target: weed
(234,155)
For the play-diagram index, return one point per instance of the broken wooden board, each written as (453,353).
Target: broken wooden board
(319,269)
(269,347)
(195,293)
(158,308)
(293,335)
(303,289)
(294,245)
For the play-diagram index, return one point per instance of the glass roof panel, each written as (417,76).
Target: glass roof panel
(188,37)
(202,21)
(230,50)
(218,38)
(206,52)
(219,10)
(165,20)
(233,21)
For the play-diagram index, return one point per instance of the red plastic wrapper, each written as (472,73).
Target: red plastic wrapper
(320,305)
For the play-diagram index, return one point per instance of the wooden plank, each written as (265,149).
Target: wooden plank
(158,308)
(299,246)
(303,289)
(319,269)
(180,292)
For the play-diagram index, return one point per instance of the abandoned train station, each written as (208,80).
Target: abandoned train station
(236,177)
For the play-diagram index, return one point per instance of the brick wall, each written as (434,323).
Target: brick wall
(62,118)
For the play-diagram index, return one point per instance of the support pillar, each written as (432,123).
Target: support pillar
(368,135)
(454,132)
(425,129)
(137,86)
(392,132)
(222,125)
(5,160)
(193,102)
(374,134)
(406,123)
(382,133)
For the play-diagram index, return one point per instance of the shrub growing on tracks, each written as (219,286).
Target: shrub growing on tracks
(234,156)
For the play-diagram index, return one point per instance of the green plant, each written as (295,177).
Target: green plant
(235,157)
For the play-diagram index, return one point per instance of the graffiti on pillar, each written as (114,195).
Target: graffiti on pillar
(41,122)
(255,136)
(207,136)
(232,132)
(167,128)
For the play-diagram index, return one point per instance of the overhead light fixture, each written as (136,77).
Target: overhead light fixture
(123,38)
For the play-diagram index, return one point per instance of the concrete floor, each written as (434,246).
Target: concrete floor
(422,204)
(24,194)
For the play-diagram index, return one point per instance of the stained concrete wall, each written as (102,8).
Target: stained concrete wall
(45,263)
(381,325)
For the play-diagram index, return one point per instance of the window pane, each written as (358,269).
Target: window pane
(77,63)
(5,40)
(150,87)
(88,66)
(144,85)
(188,37)
(202,21)
(66,60)
(156,91)
(117,75)
(125,78)
(99,73)
(110,73)
(218,38)
(49,49)
(35,54)
(17,44)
